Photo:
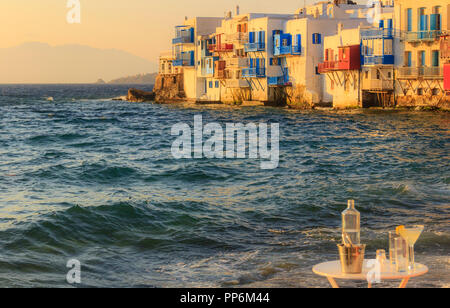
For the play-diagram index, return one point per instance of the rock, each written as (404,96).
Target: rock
(135,95)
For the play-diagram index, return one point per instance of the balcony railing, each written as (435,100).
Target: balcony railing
(221,47)
(184,59)
(328,66)
(377,33)
(376,84)
(253,47)
(421,36)
(237,62)
(378,60)
(288,50)
(182,40)
(238,37)
(254,72)
(423,72)
(237,83)
(277,81)
(221,74)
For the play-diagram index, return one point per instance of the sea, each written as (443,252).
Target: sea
(85,177)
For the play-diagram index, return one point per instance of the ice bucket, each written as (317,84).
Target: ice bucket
(352,258)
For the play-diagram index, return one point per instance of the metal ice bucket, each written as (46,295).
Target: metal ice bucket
(352,258)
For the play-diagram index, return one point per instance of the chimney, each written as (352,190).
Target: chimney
(237,10)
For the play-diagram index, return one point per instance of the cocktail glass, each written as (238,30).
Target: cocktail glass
(411,235)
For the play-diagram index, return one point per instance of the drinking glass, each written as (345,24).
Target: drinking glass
(411,235)
(381,257)
(392,236)
(401,254)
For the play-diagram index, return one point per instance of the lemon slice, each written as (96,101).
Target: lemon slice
(399,229)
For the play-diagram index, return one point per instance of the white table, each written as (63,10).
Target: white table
(332,270)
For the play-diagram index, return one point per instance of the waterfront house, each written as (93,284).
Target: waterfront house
(419,70)
(445,58)
(185,52)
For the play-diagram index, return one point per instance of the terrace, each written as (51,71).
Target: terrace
(221,47)
(254,72)
(184,59)
(255,47)
(422,36)
(424,72)
(183,35)
(377,33)
(378,60)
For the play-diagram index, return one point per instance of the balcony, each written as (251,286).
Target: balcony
(237,83)
(184,59)
(377,84)
(378,60)
(278,81)
(182,40)
(237,62)
(239,37)
(422,36)
(221,74)
(420,72)
(221,47)
(377,34)
(183,35)
(328,66)
(254,47)
(254,72)
(294,50)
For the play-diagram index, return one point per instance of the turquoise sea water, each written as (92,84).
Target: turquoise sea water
(85,177)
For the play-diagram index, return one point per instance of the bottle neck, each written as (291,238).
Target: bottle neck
(351,204)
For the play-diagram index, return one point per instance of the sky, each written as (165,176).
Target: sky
(141,27)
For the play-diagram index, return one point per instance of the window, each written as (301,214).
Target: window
(317,38)
(421,58)
(408,59)
(378,75)
(210,84)
(423,20)
(217,84)
(367,74)
(435,58)
(389,75)
(409,19)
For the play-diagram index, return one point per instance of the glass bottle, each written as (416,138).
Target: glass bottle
(351,224)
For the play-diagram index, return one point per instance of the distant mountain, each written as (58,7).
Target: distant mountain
(136,79)
(42,63)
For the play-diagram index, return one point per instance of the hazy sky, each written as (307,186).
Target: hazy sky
(141,27)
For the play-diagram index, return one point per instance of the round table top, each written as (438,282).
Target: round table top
(333,269)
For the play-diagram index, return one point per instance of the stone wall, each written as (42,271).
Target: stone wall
(169,88)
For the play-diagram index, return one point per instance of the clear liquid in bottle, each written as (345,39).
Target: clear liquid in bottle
(351,223)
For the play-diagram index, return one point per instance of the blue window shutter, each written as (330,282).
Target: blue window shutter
(409,59)
(435,58)
(423,58)
(314,38)
(390,24)
(251,37)
(381,25)
(319,38)
(409,19)
(271,61)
